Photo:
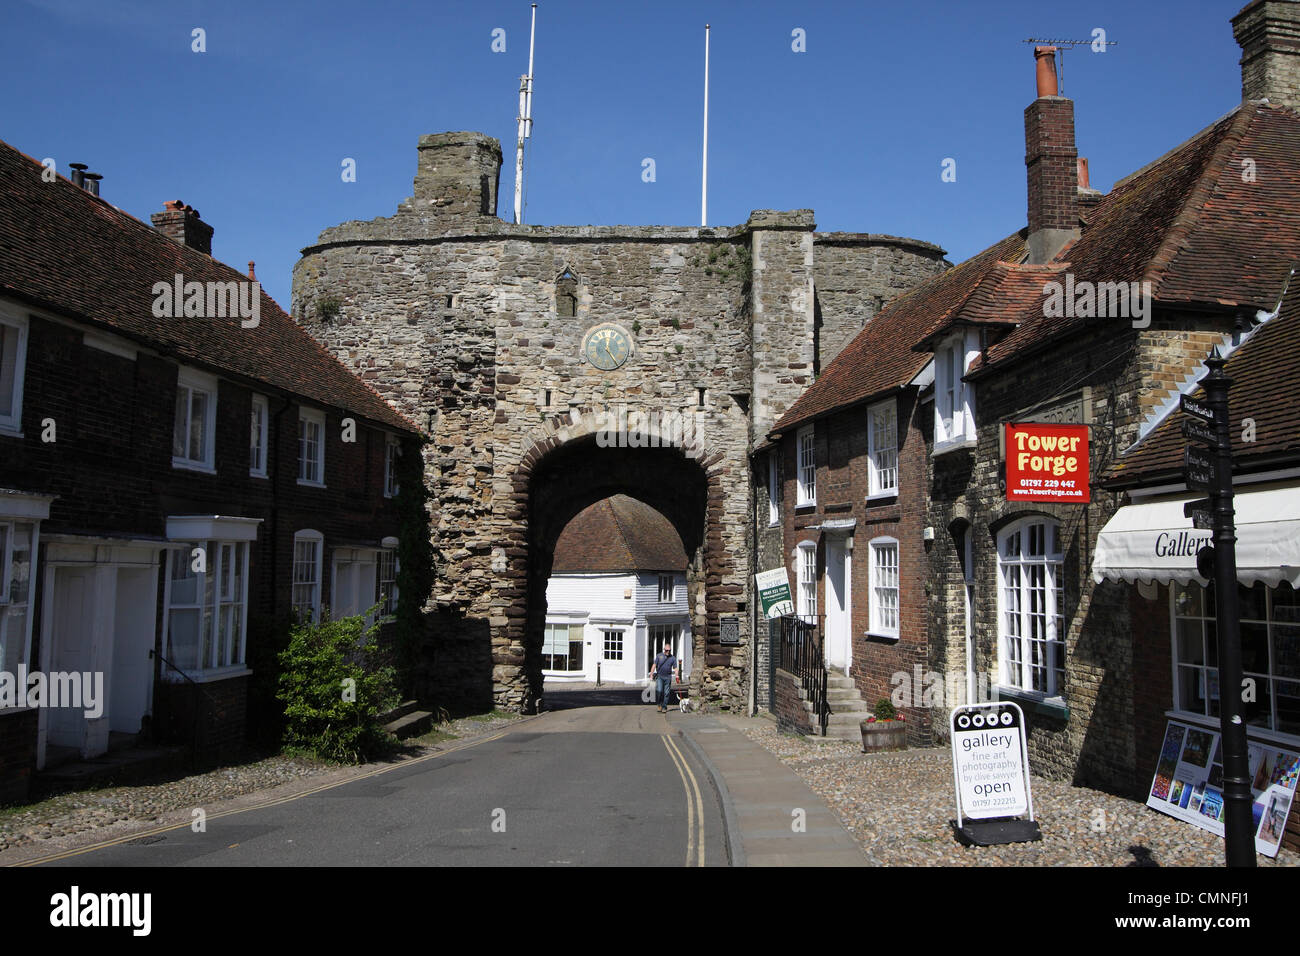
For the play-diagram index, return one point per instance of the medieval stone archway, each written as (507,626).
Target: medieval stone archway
(584,461)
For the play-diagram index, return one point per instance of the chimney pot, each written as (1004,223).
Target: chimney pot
(251,273)
(1046,71)
(92,183)
(78,174)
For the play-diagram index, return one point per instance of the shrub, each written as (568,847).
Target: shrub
(334,690)
(885,709)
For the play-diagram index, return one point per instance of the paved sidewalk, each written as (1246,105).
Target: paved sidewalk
(761,797)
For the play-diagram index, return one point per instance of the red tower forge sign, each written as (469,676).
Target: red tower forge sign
(1047,463)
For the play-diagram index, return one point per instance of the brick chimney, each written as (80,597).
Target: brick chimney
(1051,162)
(181,223)
(1268,32)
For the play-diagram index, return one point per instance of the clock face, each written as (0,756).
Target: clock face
(607,347)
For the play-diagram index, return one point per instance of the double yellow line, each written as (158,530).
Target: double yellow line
(260,806)
(694,805)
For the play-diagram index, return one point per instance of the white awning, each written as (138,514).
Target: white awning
(1152,541)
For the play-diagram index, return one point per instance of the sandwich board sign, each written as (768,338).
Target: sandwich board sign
(990,763)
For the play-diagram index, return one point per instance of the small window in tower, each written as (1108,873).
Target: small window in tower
(566,295)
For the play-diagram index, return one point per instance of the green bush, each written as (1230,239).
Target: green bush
(334,689)
(885,709)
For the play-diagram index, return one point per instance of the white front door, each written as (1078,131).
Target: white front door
(838,604)
(71,639)
(131,679)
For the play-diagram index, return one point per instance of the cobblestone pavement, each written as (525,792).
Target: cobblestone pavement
(898,806)
(74,814)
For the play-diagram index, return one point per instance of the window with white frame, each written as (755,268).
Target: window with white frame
(307,548)
(954,400)
(882,449)
(1270,653)
(13,361)
(562,647)
(257,437)
(311,447)
(807,466)
(195,427)
(884,587)
(207,602)
(392,451)
(355,582)
(16,541)
(667,588)
(807,578)
(773,489)
(386,583)
(613,641)
(1031,607)
(659,635)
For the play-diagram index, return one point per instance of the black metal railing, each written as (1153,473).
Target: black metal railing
(800,652)
(204,705)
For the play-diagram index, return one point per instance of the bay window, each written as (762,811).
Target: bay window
(562,647)
(17,548)
(207,603)
(1270,654)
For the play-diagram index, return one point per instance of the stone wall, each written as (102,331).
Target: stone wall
(1102,370)
(453,316)
(856,274)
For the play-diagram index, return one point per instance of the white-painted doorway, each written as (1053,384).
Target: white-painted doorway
(838,577)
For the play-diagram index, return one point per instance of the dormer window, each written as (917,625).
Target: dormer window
(954,399)
(566,295)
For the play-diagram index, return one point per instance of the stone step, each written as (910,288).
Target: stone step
(401,710)
(845,683)
(412,724)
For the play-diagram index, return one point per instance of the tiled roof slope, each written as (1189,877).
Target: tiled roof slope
(72,253)
(618,534)
(880,358)
(1264,372)
(1189,224)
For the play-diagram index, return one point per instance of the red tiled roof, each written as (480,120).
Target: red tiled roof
(618,534)
(1264,372)
(72,253)
(1192,223)
(881,358)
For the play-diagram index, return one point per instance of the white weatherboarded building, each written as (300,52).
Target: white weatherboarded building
(616,595)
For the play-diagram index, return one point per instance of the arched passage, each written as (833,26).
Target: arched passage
(560,478)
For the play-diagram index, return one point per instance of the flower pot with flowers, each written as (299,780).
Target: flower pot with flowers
(884,729)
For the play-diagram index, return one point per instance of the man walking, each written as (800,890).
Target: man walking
(662,672)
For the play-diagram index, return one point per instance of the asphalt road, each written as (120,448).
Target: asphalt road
(599,780)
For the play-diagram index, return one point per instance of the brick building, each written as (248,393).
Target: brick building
(175,477)
(1100,313)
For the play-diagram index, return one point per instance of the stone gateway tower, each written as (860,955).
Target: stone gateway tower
(555,366)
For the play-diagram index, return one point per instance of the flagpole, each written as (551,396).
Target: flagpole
(704,186)
(525,122)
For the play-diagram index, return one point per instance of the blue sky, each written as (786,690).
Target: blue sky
(253,131)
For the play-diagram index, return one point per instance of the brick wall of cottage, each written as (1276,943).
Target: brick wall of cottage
(879,667)
(17,754)
(110,467)
(788,703)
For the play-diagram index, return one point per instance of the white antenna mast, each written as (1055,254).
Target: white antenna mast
(704,186)
(525,122)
